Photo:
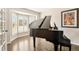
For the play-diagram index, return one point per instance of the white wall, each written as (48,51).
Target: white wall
(72,33)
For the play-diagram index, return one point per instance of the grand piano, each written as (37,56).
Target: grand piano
(41,29)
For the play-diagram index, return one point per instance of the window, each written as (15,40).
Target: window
(3,29)
(32,18)
(26,24)
(20,22)
(14,24)
(0,22)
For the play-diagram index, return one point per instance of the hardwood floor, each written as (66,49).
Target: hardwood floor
(26,44)
(19,44)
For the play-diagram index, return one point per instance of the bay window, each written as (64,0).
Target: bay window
(14,23)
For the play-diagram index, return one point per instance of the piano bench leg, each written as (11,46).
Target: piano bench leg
(69,48)
(60,48)
(55,47)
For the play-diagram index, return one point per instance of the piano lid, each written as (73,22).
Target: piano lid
(42,23)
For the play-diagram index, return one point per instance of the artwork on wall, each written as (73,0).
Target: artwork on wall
(69,18)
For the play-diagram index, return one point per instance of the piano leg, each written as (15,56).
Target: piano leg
(34,43)
(55,47)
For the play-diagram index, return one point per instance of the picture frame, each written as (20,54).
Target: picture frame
(70,18)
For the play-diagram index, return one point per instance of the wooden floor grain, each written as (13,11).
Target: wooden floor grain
(26,44)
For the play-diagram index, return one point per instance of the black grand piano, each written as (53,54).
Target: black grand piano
(41,29)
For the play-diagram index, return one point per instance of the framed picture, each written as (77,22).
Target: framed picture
(69,18)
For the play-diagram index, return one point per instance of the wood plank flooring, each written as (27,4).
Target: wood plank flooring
(26,44)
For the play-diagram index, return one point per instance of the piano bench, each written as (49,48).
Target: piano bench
(69,46)
(65,42)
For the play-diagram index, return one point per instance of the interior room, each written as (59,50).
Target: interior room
(39,29)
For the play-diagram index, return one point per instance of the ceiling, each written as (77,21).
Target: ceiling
(41,9)
(46,9)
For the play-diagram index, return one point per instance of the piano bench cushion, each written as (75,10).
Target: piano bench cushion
(63,44)
(65,41)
